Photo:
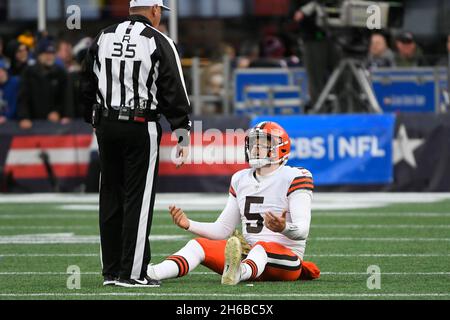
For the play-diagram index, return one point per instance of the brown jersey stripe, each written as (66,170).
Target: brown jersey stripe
(297,182)
(307,184)
(254,268)
(279,266)
(232,191)
(302,185)
(300,188)
(179,263)
(301,180)
(282,256)
(185,264)
(262,125)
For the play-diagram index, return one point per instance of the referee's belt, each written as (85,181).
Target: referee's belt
(148,116)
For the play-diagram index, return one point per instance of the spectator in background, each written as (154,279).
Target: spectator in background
(213,77)
(27,38)
(248,52)
(444,61)
(64,55)
(18,55)
(9,87)
(293,56)
(272,54)
(380,55)
(43,90)
(409,54)
(2,56)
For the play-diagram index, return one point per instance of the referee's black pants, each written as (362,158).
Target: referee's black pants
(129,158)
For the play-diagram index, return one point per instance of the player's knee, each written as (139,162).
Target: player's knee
(203,242)
(193,244)
(200,241)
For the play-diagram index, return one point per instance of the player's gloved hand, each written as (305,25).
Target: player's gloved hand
(244,244)
(179,217)
(275,223)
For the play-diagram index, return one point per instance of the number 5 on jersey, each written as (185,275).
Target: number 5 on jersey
(253,216)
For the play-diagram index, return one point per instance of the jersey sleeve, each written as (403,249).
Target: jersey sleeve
(300,213)
(226,223)
(302,182)
(89,82)
(172,94)
(223,227)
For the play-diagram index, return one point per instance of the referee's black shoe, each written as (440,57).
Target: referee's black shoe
(145,282)
(109,280)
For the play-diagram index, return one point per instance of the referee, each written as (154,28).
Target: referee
(131,75)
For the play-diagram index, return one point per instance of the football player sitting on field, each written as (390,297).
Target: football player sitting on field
(273,203)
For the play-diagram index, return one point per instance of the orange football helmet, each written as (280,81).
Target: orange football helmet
(267,143)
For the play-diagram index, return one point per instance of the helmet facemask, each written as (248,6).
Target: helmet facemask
(263,149)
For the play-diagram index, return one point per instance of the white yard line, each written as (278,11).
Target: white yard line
(93,215)
(379,239)
(48,227)
(39,216)
(48,255)
(199,201)
(378,255)
(314,226)
(379,226)
(70,238)
(208,273)
(232,295)
(381,214)
(47,273)
(390,273)
(61,255)
(337,255)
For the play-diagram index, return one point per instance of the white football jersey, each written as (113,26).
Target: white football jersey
(257,195)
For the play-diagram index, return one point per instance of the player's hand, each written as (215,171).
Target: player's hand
(65,121)
(53,117)
(182,155)
(299,16)
(275,223)
(179,217)
(25,124)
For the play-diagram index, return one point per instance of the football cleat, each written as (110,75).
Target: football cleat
(151,272)
(232,269)
(145,282)
(109,280)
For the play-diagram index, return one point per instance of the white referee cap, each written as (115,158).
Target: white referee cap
(148,3)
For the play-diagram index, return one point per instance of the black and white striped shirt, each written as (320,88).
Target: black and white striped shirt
(133,63)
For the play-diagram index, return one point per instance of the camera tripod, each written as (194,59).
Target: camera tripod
(365,94)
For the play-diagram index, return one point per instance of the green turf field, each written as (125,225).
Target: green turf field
(410,243)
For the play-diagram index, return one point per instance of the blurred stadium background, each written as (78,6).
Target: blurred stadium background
(367,111)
